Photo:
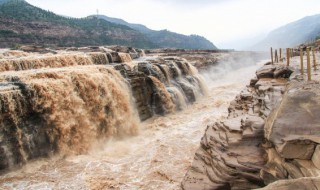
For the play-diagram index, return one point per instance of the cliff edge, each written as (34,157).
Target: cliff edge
(270,139)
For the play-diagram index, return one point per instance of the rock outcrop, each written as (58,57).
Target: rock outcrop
(271,134)
(293,131)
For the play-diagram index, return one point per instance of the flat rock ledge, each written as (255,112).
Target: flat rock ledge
(269,140)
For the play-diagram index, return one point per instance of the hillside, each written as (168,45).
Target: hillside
(165,38)
(292,34)
(22,23)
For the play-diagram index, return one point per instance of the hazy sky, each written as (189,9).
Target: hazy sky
(227,23)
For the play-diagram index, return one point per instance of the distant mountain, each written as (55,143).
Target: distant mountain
(3,1)
(165,38)
(293,34)
(22,23)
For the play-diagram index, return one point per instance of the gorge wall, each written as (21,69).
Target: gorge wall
(270,136)
(63,101)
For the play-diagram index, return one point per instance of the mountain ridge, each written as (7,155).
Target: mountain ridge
(24,24)
(291,34)
(165,38)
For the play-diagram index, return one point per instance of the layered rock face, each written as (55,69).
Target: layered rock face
(293,131)
(163,85)
(270,134)
(65,100)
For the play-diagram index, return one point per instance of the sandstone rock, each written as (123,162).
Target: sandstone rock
(274,71)
(304,106)
(266,71)
(316,157)
(245,160)
(297,149)
(282,72)
(253,81)
(231,152)
(301,184)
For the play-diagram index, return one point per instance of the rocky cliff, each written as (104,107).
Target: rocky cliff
(271,134)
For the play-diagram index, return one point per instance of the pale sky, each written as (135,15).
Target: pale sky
(226,23)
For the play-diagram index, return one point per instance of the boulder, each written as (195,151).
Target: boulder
(274,71)
(294,124)
(266,71)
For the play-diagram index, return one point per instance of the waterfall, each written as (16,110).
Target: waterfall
(162,96)
(64,103)
(64,110)
(178,96)
(125,57)
(178,79)
(52,61)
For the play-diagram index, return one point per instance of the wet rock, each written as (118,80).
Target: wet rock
(177,86)
(274,71)
(282,72)
(253,81)
(266,71)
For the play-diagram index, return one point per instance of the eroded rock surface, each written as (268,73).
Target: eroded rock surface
(232,153)
(271,134)
(293,130)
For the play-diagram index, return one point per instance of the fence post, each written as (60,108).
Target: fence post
(288,56)
(276,60)
(292,52)
(314,60)
(308,64)
(280,51)
(301,61)
(271,56)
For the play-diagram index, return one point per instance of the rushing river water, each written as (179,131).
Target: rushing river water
(157,158)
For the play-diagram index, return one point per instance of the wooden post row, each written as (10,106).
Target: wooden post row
(308,64)
(314,60)
(280,51)
(288,56)
(271,56)
(301,61)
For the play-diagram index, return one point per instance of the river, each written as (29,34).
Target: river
(157,158)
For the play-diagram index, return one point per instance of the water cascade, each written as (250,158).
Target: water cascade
(67,102)
(62,110)
(172,76)
(51,61)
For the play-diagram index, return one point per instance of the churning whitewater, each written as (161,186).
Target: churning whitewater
(153,154)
